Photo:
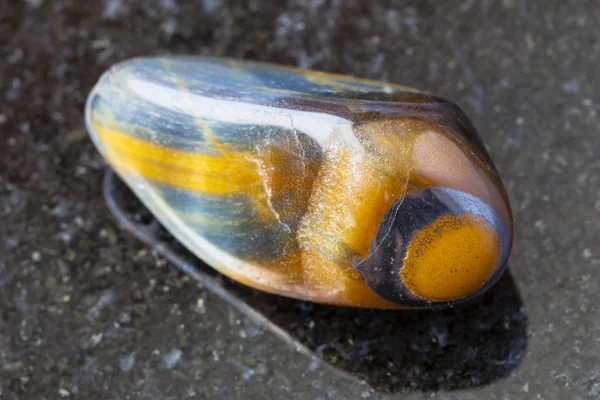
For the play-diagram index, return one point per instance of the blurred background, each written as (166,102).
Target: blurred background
(87,310)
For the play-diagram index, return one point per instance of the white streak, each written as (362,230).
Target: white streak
(319,126)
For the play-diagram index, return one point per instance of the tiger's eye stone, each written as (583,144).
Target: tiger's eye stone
(311,185)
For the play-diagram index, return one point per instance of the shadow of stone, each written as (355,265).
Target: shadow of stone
(467,346)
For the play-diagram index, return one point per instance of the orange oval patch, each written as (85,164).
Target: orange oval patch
(451,257)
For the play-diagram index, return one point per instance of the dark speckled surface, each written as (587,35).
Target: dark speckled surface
(88,311)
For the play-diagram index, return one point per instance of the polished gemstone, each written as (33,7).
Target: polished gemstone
(317,186)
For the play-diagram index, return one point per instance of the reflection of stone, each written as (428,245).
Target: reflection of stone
(311,185)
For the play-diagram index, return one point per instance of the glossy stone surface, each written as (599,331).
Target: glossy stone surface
(310,185)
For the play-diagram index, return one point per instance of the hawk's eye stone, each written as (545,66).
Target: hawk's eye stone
(306,184)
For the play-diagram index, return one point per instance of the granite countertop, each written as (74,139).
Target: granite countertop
(88,311)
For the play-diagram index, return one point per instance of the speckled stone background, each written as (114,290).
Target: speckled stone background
(87,311)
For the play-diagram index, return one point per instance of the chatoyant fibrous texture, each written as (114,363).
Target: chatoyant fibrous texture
(311,185)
